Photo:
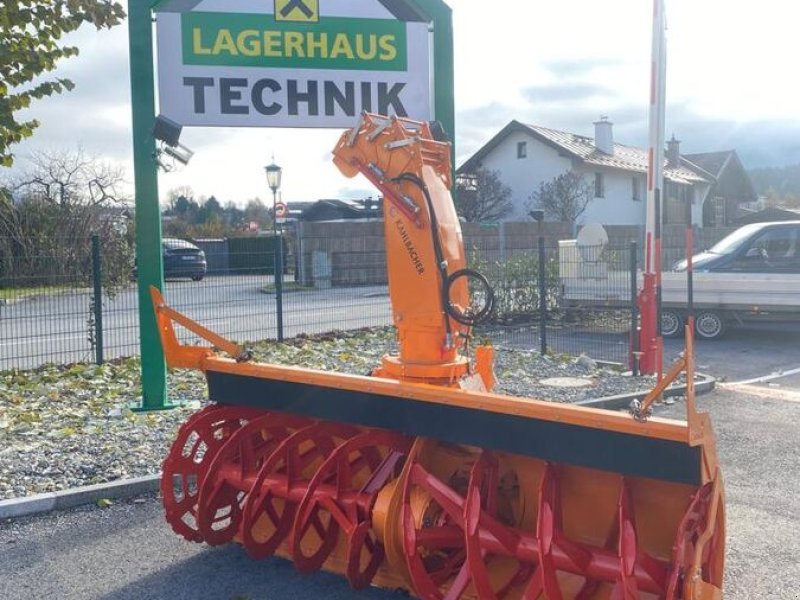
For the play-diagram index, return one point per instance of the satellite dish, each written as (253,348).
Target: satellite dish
(592,240)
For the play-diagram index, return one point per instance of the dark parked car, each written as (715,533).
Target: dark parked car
(183,259)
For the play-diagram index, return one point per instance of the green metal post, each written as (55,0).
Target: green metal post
(441,15)
(277,265)
(97,299)
(148,216)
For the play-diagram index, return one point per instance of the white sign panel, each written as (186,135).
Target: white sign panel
(289,63)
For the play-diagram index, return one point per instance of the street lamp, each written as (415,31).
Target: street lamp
(274,172)
(273,179)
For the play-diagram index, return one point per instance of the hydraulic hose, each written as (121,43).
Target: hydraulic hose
(469,317)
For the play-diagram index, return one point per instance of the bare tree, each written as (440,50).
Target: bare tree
(481,196)
(563,198)
(50,212)
(71,180)
(184,192)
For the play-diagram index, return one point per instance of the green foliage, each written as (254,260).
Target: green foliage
(30,31)
(515,281)
(189,218)
(780,185)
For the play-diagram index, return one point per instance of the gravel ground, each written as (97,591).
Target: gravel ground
(62,427)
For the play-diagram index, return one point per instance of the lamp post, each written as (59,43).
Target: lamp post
(273,172)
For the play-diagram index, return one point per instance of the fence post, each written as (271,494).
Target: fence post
(501,240)
(97,299)
(635,353)
(278,264)
(542,298)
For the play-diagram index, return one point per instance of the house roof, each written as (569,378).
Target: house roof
(335,208)
(582,148)
(717,163)
(713,162)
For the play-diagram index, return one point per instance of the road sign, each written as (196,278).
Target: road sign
(281,211)
(291,63)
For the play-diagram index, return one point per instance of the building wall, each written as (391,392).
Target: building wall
(617,207)
(523,175)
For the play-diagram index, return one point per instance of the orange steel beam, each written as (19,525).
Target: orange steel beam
(204,359)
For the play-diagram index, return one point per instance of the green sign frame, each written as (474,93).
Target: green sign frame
(148,215)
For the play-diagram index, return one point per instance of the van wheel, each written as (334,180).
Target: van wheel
(671,323)
(709,325)
(197,277)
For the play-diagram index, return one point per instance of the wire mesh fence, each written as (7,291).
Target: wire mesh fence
(559,298)
(549,294)
(45,310)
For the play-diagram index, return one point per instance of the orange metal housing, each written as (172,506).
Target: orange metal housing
(385,150)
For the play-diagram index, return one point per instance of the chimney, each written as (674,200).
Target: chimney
(673,152)
(604,135)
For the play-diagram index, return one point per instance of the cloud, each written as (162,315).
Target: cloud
(565,68)
(566,91)
(96,114)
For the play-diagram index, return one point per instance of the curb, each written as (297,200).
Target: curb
(62,500)
(705,384)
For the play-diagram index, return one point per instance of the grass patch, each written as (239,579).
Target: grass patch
(26,292)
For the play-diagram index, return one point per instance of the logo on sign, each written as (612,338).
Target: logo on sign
(298,11)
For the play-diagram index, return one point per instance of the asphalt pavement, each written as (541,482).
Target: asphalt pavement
(128,552)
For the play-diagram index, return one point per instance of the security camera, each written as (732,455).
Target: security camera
(180,153)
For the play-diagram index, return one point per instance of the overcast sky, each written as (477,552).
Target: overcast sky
(732,84)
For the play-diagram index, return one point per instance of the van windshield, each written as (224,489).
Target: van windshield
(732,242)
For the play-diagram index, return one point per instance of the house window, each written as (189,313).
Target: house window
(522,149)
(599,186)
(636,189)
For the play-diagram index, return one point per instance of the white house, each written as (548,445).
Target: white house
(527,155)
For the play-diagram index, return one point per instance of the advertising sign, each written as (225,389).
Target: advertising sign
(289,63)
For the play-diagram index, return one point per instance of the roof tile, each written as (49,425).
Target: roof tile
(629,158)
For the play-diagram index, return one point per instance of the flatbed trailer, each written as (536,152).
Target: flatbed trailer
(721,300)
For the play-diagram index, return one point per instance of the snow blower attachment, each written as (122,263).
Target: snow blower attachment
(418,477)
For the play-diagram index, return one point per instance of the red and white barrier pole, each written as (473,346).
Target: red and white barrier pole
(650,341)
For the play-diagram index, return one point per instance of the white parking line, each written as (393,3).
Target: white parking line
(762,379)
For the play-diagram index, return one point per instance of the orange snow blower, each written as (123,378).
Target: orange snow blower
(418,476)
